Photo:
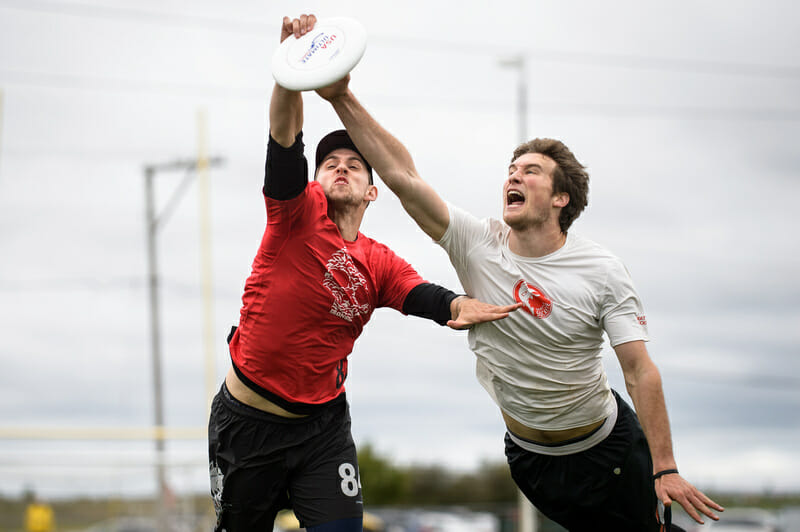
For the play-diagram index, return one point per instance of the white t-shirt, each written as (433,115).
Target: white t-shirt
(542,365)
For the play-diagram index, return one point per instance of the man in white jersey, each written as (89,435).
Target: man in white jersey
(575,449)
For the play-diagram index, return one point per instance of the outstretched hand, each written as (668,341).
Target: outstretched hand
(299,27)
(674,487)
(468,311)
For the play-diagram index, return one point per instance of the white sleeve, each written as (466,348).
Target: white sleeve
(463,233)
(622,314)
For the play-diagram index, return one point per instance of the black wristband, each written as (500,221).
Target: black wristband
(664,472)
(430,301)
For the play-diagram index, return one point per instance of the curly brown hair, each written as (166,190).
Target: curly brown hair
(569,176)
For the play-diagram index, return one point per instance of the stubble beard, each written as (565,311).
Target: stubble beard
(343,201)
(539,220)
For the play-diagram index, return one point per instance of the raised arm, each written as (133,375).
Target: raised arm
(390,159)
(286,106)
(643,382)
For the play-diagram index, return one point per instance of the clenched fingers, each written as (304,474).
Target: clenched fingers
(298,26)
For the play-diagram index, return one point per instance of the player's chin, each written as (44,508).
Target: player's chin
(510,217)
(342,200)
(336,192)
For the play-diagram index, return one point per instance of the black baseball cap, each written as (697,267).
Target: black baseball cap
(335,140)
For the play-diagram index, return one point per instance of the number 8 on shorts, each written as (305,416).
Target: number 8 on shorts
(350,482)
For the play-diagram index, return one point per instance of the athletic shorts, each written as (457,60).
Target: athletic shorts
(261,463)
(606,487)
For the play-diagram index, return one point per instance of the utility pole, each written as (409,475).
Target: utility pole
(518,63)
(1,123)
(206,273)
(155,337)
(153,222)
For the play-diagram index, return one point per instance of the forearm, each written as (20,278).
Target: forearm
(394,164)
(387,155)
(431,301)
(644,387)
(285,115)
(455,306)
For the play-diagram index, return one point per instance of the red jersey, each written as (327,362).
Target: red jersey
(308,297)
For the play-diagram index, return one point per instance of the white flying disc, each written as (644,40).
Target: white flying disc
(320,57)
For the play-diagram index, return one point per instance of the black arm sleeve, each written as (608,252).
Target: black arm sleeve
(286,169)
(430,301)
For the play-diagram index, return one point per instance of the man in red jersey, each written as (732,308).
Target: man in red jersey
(279,430)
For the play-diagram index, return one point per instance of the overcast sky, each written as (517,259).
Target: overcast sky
(687,115)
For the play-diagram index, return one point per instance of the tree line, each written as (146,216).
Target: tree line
(386,484)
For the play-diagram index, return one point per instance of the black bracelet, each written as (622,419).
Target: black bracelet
(664,472)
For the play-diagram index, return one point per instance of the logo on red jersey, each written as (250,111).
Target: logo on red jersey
(534,299)
(343,280)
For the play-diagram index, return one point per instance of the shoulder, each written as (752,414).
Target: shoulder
(467,224)
(581,246)
(315,196)
(380,259)
(311,192)
(495,228)
(314,189)
(372,249)
(303,212)
(595,260)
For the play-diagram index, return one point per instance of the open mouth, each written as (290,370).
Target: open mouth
(341,181)
(514,197)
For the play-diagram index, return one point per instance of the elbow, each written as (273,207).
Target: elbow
(643,379)
(632,385)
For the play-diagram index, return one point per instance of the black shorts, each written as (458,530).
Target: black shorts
(261,463)
(606,487)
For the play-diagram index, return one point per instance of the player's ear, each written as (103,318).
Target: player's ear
(372,193)
(561,199)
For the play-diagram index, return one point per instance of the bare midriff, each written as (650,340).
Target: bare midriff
(243,394)
(548,437)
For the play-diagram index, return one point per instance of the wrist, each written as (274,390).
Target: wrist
(455,306)
(670,471)
(338,98)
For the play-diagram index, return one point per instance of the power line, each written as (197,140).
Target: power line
(71,283)
(743,381)
(127,14)
(701,66)
(85,82)
(683,112)
(97,83)
(595,59)
(98,285)
(52,80)
(260,28)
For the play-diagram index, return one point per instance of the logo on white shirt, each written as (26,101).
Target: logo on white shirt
(534,299)
(343,281)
